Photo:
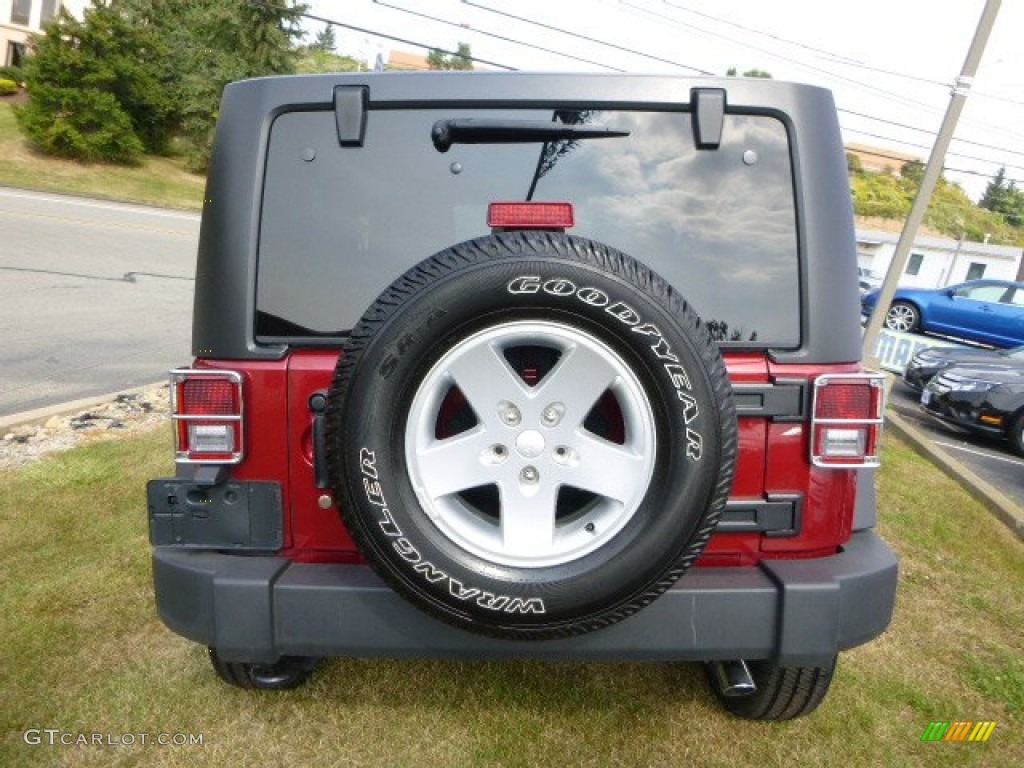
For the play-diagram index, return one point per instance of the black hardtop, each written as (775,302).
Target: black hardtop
(225,298)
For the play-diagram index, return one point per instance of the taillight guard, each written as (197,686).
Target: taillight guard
(846,420)
(206,406)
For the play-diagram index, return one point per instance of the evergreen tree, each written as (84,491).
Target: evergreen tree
(1004,198)
(995,193)
(96,91)
(325,40)
(133,73)
(213,42)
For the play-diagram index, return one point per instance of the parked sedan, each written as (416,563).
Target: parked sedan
(983,311)
(869,281)
(987,399)
(929,362)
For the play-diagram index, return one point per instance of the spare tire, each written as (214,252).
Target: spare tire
(531,435)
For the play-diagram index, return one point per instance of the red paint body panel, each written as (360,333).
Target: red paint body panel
(316,533)
(748,482)
(264,391)
(276,396)
(829,494)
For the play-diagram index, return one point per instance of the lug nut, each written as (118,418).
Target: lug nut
(566,455)
(552,414)
(509,414)
(529,475)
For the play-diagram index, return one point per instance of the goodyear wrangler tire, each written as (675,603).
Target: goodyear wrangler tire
(531,435)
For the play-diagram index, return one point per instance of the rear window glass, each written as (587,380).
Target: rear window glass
(339,224)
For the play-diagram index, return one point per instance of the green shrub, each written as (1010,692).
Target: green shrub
(79,123)
(7,87)
(17,74)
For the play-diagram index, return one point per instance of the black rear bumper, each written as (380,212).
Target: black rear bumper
(257,609)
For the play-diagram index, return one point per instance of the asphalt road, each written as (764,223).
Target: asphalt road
(94,296)
(990,460)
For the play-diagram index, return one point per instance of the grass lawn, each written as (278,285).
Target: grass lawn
(159,181)
(82,651)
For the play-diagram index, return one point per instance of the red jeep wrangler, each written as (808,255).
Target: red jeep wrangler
(522,365)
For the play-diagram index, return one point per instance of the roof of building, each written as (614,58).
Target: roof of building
(869,237)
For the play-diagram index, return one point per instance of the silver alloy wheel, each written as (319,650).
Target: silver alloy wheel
(529,446)
(901,317)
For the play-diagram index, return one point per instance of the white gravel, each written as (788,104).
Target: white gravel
(125,414)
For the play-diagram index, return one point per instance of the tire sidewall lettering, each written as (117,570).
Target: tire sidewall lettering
(658,345)
(430,573)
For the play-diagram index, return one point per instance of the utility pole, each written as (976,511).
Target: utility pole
(932,172)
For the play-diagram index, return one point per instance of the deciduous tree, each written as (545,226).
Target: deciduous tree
(462,59)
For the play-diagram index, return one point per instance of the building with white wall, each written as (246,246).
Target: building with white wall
(936,262)
(21,18)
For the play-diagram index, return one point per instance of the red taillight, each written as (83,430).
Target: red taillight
(206,406)
(209,397)
(530,215)
(847,420)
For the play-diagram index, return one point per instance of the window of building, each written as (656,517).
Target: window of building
(15,54)
(21,11)
(914,264)
(49,11)
(976,271)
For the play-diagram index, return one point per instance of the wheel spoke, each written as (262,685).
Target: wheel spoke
(528,518)
(606,469)
(580,377)
(485,378)
(454,464)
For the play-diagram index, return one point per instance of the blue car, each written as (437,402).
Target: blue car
(984,311)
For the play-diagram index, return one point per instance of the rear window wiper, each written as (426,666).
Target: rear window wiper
(482,131)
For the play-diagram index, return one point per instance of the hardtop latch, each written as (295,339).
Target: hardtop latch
(708,116)
(351,103)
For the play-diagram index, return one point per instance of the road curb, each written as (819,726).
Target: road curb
(42,415)
(1005,509)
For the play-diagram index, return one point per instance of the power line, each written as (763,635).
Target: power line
(811,67)
(588,39)
(928,147)
(495,36)
(840,60)
(677,22)
(932,133)
(406,41)
(882,153)
(1005,99)
(679,64)
(830,54)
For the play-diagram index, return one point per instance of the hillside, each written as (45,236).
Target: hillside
(883,200)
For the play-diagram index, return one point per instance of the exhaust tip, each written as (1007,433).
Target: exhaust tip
(733,678)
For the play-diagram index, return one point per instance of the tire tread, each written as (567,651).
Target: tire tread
(783,693)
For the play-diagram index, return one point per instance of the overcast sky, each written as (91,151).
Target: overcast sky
(889,62)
